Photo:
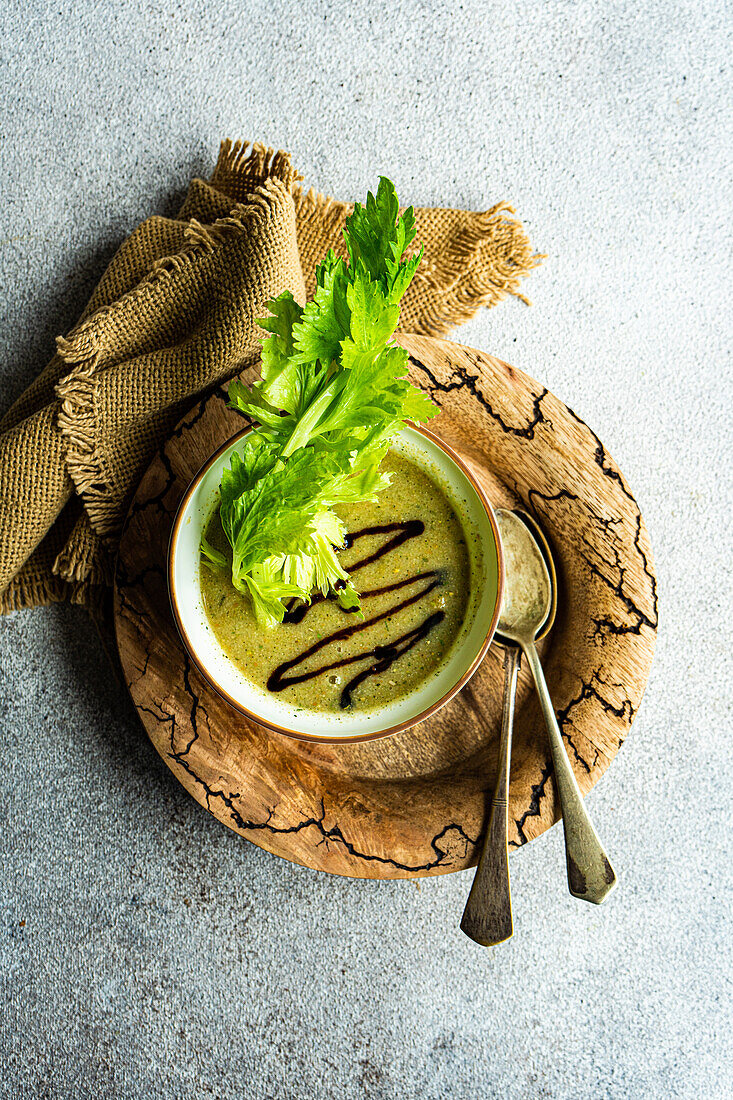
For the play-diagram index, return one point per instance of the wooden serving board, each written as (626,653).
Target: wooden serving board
(414,804)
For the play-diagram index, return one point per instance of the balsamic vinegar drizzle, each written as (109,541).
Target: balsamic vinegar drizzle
(384,655)
(409,529)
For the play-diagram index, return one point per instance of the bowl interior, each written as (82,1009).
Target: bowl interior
(469,647)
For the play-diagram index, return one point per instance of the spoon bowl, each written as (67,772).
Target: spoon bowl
(535,545)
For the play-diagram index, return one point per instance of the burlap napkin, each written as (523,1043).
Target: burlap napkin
(175,315)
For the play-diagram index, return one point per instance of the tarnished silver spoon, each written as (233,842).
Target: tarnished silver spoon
(487,918)
(527,602)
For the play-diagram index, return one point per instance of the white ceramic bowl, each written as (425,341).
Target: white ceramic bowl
(463,658)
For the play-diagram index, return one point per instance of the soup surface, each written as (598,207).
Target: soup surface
(408,558)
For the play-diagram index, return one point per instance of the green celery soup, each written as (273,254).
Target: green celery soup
(409,560)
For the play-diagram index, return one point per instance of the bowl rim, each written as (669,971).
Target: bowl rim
(318,738)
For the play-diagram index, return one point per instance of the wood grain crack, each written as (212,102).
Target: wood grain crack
(461,379)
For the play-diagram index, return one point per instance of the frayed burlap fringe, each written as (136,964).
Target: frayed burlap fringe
(43,591)
(85,348)
(485,262)
(38,592)
(241,162)
(81,563)
(331,212)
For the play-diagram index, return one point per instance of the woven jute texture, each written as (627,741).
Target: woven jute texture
(174,316)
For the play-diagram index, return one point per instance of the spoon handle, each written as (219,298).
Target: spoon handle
(590,874)
(487,918)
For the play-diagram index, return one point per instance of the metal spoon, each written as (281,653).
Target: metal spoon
(487,918)
(527,602)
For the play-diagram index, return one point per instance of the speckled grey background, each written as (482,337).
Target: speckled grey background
(144,949)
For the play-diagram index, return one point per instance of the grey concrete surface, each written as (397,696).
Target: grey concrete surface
(145,951)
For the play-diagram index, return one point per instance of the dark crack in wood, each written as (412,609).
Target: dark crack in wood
(537,793)
(461,379)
